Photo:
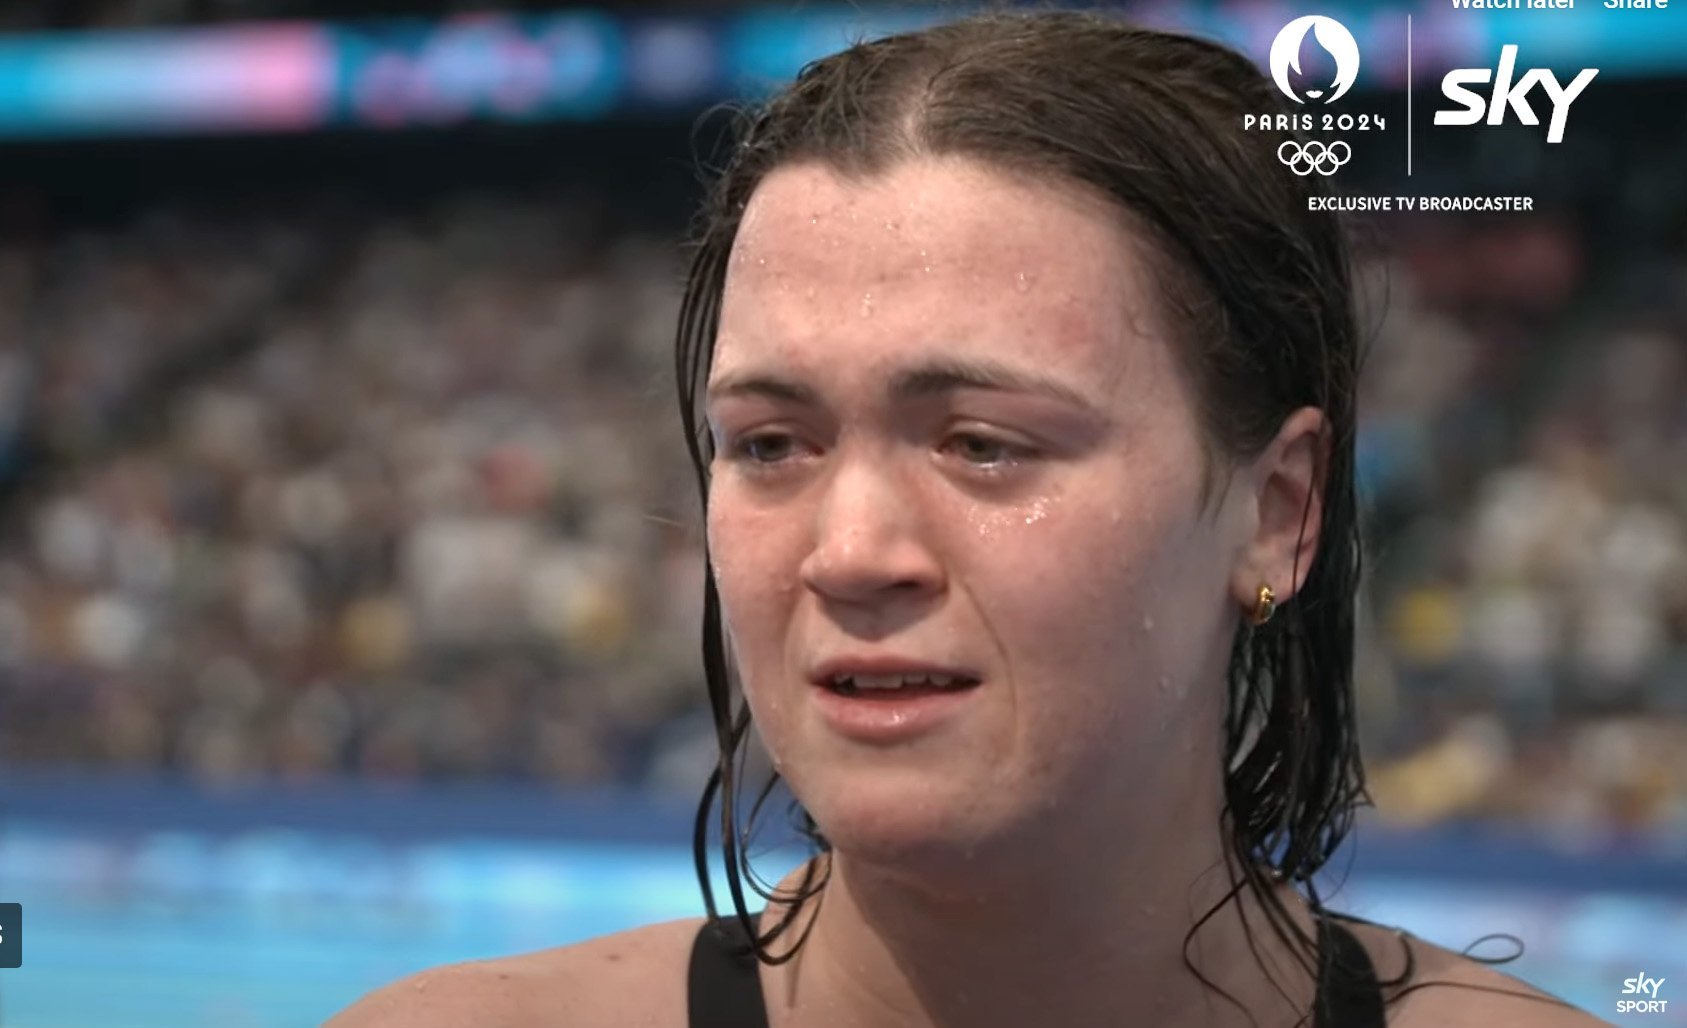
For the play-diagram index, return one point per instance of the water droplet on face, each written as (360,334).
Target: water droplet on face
(867,306)
(1022,282)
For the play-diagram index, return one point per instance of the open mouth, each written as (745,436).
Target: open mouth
(891,709)
(897,688)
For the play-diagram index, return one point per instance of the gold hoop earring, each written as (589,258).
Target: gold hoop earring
(1264,607)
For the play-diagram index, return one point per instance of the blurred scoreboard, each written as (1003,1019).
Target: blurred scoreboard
(586,64)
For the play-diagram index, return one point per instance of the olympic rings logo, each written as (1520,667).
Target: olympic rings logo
(1314,156)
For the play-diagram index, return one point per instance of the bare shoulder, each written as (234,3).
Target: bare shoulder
(635,977)
(1447,990)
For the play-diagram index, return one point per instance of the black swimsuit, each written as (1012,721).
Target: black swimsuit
(724,990)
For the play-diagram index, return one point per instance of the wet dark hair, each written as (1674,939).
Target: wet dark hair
(1259,287)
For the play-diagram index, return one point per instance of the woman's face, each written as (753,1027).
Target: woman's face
(1052,544)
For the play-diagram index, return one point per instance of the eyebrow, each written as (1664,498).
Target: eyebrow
(933,377)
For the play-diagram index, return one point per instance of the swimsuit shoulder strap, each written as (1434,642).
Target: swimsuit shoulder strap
(724,984)
(723,987)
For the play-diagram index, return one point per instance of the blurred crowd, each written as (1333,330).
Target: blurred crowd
(409,498)
(426,523)
(1523,455)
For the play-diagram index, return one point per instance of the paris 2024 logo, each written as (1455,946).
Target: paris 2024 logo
(1330,34)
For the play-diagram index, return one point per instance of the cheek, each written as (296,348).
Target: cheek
(1099,600)
(730,559)
(755,580)
(1076,572)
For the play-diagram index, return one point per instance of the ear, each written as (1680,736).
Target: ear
(1288,501)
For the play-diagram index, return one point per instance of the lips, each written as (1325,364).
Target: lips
(897,688)
(890,717)
(883,665)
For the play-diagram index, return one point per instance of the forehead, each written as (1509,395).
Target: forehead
(934,253)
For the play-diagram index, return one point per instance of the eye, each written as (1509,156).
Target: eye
(995,455)
(751,450)
(767,450)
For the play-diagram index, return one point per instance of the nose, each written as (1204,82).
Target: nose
(869,538)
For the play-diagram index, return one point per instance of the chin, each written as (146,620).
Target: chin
(904,824)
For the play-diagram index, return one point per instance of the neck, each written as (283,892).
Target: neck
(1099,941)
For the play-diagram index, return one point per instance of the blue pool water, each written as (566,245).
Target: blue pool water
(194,920)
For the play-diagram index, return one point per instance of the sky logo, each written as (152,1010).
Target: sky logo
(1641,985)
(1509,94)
